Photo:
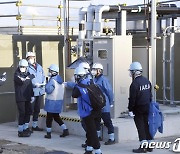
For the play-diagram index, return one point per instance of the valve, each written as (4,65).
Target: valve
(19,3)
(19,17)
(156,87)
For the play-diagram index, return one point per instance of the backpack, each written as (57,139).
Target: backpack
(96,96)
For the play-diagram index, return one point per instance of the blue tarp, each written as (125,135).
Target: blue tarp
(155,119)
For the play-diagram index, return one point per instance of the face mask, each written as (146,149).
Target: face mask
(94,72)
(22,69)
(130,74)
(49,74)
(31,61)
(87,70)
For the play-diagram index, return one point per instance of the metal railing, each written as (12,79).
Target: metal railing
(20,17)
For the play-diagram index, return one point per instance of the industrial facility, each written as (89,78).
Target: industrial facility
(148,33)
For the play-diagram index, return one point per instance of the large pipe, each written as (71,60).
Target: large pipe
(98,17)
(82,20)
(123,22)
(81,36)
(90,20)
(140,9)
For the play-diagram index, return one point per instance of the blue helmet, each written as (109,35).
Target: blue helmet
(54,68)
(135,66)
(23,62)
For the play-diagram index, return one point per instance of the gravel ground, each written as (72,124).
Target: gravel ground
(18,148)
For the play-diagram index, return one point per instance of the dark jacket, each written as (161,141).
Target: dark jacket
(23,89)
(140,95)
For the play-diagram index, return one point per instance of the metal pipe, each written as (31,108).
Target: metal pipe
(153,45)
(167,1)
(98,17)
(82,15)
(159,10)
(172,68)
(65,38)
(6,16)
(81,36)
(31,5)
(90,19)
(3,93)
(123,22)
(8,2)
(167,101)
(164,68)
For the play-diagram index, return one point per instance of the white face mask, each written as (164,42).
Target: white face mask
(130,74)
(31,61)
(22,69)
(94,72)
(87,71)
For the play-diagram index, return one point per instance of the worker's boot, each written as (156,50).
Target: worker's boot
(48,135)
(65,133)
(140,150)
(23,134)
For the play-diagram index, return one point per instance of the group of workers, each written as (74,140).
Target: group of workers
(139,101)
(31,84)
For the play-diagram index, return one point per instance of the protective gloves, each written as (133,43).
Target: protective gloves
(32,99)
(111,105)
(131,114)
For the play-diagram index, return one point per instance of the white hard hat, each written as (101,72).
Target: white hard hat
(135,66)
(30,54)
(85,65)
(54,68)
(23,62)
(97,66)
(79,71)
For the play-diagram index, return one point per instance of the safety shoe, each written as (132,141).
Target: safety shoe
(140,150)
(100,139)
(24,134)
(37,129)
(149,149)
(88,152)
(29,130)
(65,133)
(84,145)
(109,142)
(1,151)
(48,135)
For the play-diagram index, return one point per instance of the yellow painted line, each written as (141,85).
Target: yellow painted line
(63,118)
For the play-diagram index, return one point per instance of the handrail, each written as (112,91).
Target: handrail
(8,2)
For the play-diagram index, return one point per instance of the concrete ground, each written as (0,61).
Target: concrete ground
(37,144)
